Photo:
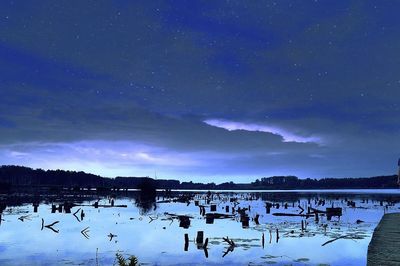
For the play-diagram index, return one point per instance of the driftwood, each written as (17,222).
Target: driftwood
(112,206)
(220,215)
(176,216)
(292,214)
(317,211)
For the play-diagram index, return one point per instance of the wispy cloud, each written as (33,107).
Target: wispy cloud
(103,157)
(287,136)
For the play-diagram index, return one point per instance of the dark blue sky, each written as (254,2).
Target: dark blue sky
(201,90)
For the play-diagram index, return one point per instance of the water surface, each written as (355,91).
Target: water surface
(151,231)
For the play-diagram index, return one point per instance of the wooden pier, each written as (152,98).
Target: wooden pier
(384,248)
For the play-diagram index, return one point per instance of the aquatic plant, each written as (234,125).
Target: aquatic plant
(131,261)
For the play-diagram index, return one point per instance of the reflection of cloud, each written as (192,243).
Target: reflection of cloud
(286,135)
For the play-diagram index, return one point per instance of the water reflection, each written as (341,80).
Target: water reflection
(145,201)
(180,228)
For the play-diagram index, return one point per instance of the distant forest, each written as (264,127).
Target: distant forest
(12,177)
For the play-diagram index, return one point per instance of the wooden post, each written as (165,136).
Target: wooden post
(263,240)
(245,221)
(277,235)
(213,207)
(186,242)
(67,207)
(199,238)
(184,222)
(209,219)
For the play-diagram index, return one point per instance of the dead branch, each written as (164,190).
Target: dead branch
(25,217)
(50,226)
(337,238)
(231,246)
(153,218)
(111,236)
(85,232)
(77,216)
(292,214)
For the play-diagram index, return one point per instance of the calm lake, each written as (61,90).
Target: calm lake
(154,230)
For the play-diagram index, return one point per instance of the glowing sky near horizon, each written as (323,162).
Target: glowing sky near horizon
(202,91)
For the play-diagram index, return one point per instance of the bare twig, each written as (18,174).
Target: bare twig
(50,226)
(153,218)
(337,238)
(76,213)
(231,246)
(111,236)
(25,217)
(85,232)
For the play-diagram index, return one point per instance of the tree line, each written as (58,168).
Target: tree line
(18,176)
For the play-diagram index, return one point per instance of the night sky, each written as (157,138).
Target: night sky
(201,90)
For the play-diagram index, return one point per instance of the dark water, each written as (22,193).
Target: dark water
(151,231)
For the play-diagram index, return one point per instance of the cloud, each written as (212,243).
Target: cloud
(101,157)
(286,135)
(123,88)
